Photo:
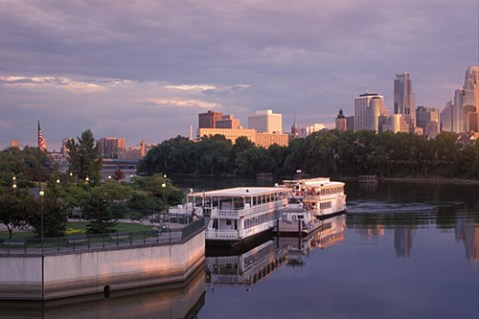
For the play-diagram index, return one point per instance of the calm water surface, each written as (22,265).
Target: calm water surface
(404,250)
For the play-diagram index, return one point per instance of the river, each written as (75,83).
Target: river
(403,250)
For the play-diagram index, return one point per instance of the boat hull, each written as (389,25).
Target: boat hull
(238,245)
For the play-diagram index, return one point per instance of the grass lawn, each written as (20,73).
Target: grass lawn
(78,228)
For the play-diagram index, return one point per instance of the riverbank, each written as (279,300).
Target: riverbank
(431,180)
(434,180)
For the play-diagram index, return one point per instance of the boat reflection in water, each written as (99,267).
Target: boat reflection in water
(165,301)
(329,233)
(246,268)
(250,267)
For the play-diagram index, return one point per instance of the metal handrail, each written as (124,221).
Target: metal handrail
(85,242)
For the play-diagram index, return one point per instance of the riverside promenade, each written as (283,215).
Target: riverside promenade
(93,264)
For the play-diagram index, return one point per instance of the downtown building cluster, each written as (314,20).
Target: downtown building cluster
(264,127)
(460,115)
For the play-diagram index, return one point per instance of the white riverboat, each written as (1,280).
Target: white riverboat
(295,219)
(314,198)
(236,215)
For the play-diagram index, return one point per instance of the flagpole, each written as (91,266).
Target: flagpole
(40,191)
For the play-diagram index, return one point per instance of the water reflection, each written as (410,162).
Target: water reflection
(257,263)
(370,219)
(467,232)
(166,301)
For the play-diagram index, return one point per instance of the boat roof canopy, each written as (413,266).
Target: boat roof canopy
(239,192)
(313,182)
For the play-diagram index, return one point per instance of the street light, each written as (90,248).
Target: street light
(14,185)
(163,186)
(41,193)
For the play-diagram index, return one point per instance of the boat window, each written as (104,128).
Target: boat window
(215,223)
(325,205)
(295,200)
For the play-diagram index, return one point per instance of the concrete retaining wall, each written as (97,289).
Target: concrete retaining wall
(88,272)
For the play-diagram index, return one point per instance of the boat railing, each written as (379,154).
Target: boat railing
(311,197)
(236,213)
(222,234)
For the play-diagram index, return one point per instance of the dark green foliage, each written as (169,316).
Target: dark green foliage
(97,208)
(54,212)
(84,157)
(327,153)
(14,208)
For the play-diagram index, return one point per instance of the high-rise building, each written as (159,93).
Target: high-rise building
(466,100)
(266,121)
(396,123)
(350,122)
(112,147)
(209,119)
(404,99)
(445,118)
(427,118)
(341,123)
(367,109)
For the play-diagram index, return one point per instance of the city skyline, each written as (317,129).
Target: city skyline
(144,70)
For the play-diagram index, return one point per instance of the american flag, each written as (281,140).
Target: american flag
(42,144)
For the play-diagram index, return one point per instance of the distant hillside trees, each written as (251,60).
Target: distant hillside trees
(324,153)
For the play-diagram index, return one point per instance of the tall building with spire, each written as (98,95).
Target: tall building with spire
(294,130)
(404,99)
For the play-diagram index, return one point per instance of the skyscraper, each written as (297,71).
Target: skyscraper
(466,102)
(367,109)
(427,118)
(404,99)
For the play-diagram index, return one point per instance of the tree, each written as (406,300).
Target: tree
(98,211)
(13,209)
(54,212)
(84,157)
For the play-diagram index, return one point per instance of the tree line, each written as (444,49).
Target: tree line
(325,153)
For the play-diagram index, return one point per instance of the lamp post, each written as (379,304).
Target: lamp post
(41,193)
(163,186)
(14,184)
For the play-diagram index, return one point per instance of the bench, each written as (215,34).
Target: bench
(14,243)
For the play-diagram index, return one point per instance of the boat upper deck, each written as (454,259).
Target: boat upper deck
(239,192)
(323,182)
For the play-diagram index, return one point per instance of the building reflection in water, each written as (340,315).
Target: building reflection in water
(166,301)
(403,240)
(249,267)
(467,231)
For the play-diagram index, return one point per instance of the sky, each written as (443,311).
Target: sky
(144,70)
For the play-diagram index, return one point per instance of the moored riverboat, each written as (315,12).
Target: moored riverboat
(319,196)
(295,219)
(236,216)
